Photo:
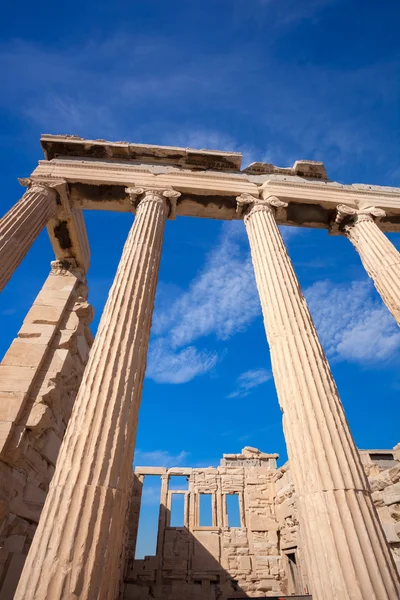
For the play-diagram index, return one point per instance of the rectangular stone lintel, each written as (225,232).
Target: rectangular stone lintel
(150,471)
(179,471)
(68,234)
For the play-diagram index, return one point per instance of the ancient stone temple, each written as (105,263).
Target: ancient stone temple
(69,502)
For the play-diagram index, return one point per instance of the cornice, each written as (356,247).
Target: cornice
(341,188)
(139,169)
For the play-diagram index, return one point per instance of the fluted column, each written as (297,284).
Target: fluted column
(380,258)
(346,552)
(22,224)
(78,543)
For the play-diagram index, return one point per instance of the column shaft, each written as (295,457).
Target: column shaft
(76,550)
(379,257)
(345,548)
(21,225)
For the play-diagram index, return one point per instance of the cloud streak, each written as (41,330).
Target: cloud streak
(248,381)
(220,302)
(92,88)
(352,322)
(166,365)
(161,458)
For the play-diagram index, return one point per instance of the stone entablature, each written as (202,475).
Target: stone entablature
(261,558)
(97,173)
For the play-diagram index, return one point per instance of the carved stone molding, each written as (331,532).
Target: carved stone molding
(154,194)
(347,216)
(65,265)
(248,204)
(52,184)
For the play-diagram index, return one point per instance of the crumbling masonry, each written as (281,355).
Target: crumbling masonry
(262,555)
(68,417)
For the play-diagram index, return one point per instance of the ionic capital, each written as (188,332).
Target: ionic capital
(166,196)
(248,205)
(48,184)
(347,216)
(63,266)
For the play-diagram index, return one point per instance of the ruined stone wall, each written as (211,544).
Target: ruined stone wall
(383,470)
(216,561)
(263,557)
(39,379)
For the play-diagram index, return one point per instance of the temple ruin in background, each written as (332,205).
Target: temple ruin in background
(69,405)
(255,551)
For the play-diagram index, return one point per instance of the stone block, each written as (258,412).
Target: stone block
(11,404)
(394,474)
(71,321)
(11,575)
(34,495)
(13,543)
(58,360)
(51,447)
(40,418)
(21,354)
(390,532)
(262,522)
(16,379)
(38,464)
(391,495)
(150,470)
(83,348)
(33,333)
(46,315)
(65,339)
(245,563)
(56,298)
(266,585)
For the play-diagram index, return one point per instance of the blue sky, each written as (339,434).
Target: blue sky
(278,81)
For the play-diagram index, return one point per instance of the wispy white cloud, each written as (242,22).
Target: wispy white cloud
(249,380)
(106,87)
(207,139)
(221,301)
(352,322)
(161,458)
(168,365)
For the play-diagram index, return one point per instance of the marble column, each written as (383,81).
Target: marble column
(22,224)
(380,258)
(79,541)
(345,548)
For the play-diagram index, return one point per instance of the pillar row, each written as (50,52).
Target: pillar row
(379,257)
(21,226)
(345,548)
(81,531)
